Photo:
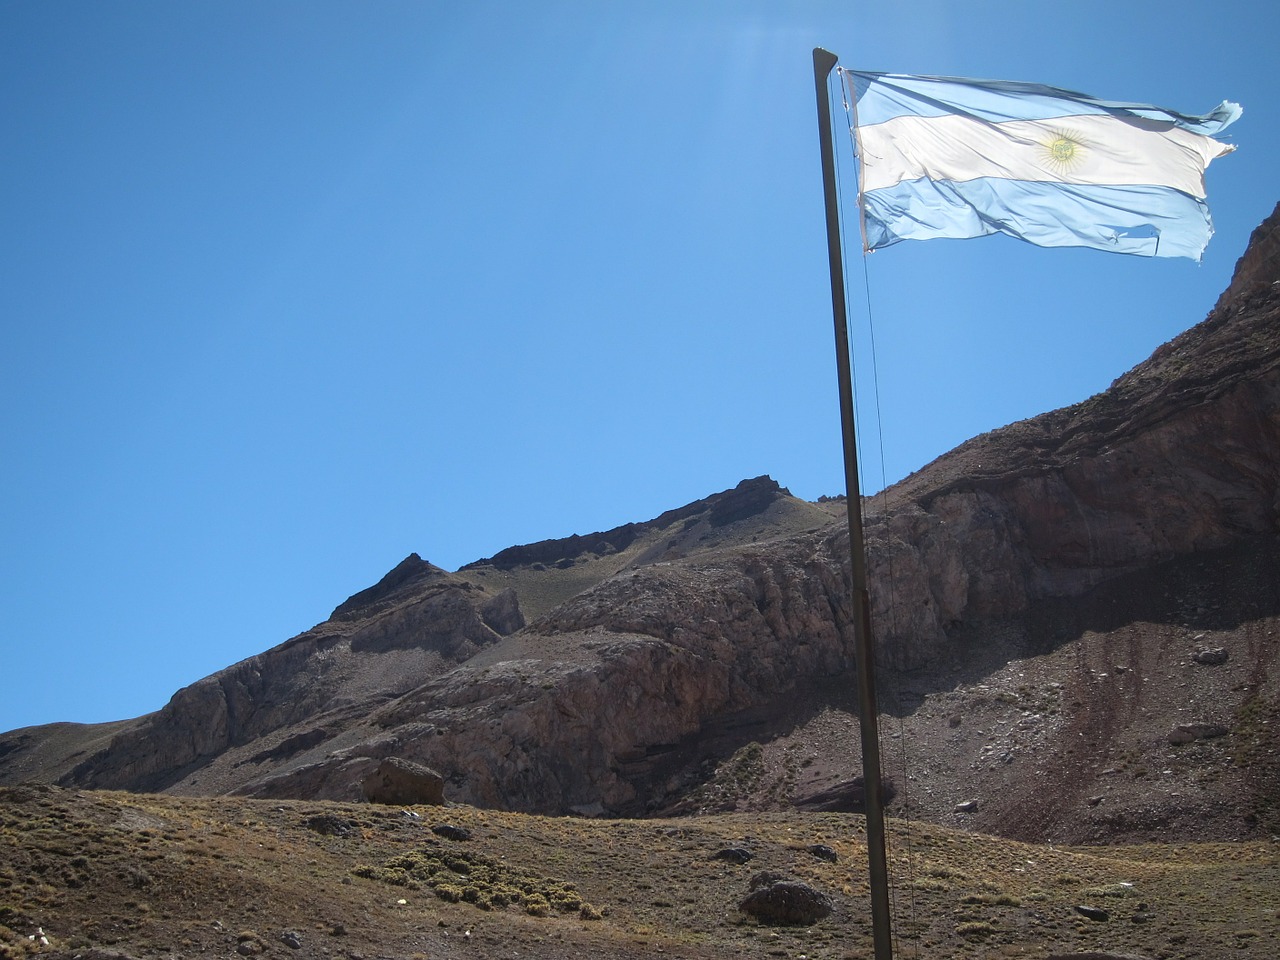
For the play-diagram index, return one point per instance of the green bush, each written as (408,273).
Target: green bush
(450,892)
(481,881)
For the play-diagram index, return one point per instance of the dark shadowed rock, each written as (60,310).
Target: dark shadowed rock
(329,824)
(824,852)
(787,903)
(398,782)
(1093,913)
(502,614)
(847,797)
(766,878)
(451,831)
(291,745)
(1185,733)
(1211,656)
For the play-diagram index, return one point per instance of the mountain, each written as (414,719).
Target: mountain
(1076,623)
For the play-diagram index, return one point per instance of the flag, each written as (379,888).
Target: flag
(948,157)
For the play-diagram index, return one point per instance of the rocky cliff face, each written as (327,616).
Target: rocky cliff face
(1255,273)
(1032,592)
(1179,456)
(416,623)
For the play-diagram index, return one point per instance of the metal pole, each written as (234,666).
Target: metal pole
(823,63)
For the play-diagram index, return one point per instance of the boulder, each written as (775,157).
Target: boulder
(451,831)
(402,782)
(736,855)
(1185,733)
(787,903)
(824,852)
(1093,913)
(766,878)
(1211,656)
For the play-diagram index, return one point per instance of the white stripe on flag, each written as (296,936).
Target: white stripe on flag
(1085,149)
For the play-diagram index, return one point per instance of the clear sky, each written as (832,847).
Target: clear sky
(290,290)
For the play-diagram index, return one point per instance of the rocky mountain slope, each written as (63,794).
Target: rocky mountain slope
(1076,620)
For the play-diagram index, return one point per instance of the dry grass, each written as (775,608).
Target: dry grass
(150,875)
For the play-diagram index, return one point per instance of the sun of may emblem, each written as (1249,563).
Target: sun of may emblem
(1064,153)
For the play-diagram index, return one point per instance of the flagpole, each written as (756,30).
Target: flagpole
(823,63)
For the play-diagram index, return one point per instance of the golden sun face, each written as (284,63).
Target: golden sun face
(1064,153)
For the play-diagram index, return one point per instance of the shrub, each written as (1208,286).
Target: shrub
(536,905)
(449,892)
(945,873)
(993,899)
(1111,890)
(928,883)
(479,880)
(566,901)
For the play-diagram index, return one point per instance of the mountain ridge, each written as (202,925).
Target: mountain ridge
(1021,585)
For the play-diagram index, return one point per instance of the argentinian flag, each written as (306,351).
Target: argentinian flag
(946,157)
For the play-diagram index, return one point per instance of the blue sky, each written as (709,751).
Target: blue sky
(290,290)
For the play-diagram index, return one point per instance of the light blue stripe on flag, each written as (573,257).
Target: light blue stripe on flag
(947,157)
(883,96)
(1167,224)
